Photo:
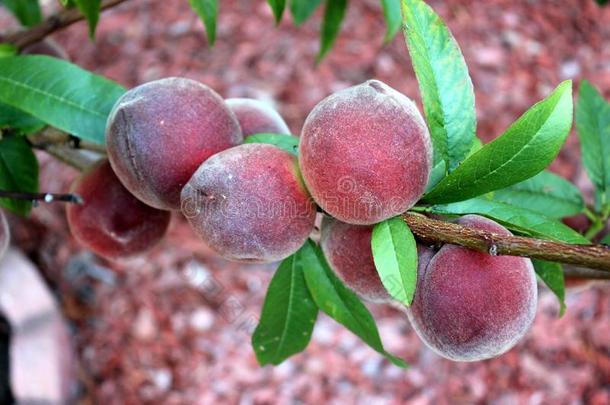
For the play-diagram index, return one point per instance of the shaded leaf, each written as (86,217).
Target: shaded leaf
(91,11)
(393,18)
(518,219)
(207,10)
(287,142)
(593,124)
(277,6)
(288,316)
(545,193)
(59,93)
(303,9)
(395,257)
(552,275)
(339,302)
(333,16)
(18,172)
(10,117)
(444,83)
(26,11)
(524,150)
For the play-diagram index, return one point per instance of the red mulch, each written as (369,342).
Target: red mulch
(173,326)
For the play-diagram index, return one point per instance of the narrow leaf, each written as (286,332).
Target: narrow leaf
(444,83)
(340,303)
(545,193)
(59,93)
(395,256)
(392,15)
(593,124)
(278,9)
(288,316)
(91,11)
(524,150)
(552,275)
(26,11)
(301,10)
(333,16)
(518,219)
(18,172)
(438,170)
(287,142)
(10,117)
(606,240)
(207,10)
(7,50)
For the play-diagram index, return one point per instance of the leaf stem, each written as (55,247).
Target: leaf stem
(46,197)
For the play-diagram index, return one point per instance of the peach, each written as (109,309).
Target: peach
(160,132)
(470,305)
(248,203)
(5,235)
(365,153)
(257,117)
(111,221)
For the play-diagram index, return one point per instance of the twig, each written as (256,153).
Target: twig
(582,272)
(55,22)
(46,197)
(52,136)
(435,231)
(77,158)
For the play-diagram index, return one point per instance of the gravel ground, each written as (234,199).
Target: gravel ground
(174,326)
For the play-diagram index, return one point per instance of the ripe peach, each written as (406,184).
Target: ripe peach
(470,305)
(160,132)
(111,221)
(257,117)
(365,153)
(5,234)
(248,203)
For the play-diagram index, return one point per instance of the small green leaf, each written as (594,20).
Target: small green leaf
(552,275)
(278,9)
(18,172)
(10,117)
(545,193)
(59,93)
(339,302)
(395,256)
(444,83)
(333,16)
(287,142)
(26,11)
(524,150)
(301,10)
(393,16)
(517,219)
(7,50)
(91,11)
(288,316)
(606,240)
(207,10)
(593,124)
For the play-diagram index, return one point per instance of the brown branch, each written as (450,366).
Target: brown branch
(435,231)
(55,22)
(77,158)
(46,197)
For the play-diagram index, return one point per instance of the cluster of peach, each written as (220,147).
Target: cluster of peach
(365,155)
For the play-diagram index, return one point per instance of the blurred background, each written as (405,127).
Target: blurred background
(174,326)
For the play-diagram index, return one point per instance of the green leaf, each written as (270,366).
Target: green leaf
(278,9)
(7,50)
(593,124)
(545,193)
(393,16)
(524,150)
(18,172)
(26,11)
(339,302)
(91,11)
(287,142)
(552,275)
(444,83)
(438,171)
(395,257)
(303,9)
(333,16)
(10,117)
(207,10)
(59,93)
(288,316)
(606,240)
(518,219)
